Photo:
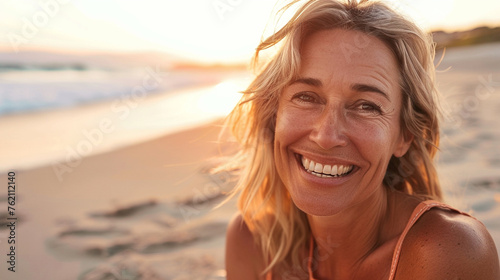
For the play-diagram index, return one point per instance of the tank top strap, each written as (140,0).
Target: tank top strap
(269,275)
(421,208)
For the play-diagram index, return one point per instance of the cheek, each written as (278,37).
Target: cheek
(290,126)
(374,139)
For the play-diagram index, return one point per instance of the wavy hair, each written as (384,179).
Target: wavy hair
(278,226)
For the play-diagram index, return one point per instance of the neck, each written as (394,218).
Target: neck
(345,239)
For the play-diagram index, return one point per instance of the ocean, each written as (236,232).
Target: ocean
(27,89)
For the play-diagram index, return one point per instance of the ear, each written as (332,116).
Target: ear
(404,143)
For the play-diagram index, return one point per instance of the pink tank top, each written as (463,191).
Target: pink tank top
(421,208)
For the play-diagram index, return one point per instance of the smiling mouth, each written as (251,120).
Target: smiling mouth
(325,170)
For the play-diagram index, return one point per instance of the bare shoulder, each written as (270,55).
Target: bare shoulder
(444,244)
(243,257)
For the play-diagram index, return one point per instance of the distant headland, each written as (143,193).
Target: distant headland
(476,36)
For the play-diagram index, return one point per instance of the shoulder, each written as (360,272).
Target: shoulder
(243,257)
(444,244)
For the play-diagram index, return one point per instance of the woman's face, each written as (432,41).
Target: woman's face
(338,123)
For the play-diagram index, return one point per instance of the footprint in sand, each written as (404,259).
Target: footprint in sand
(130,265)
(128,235)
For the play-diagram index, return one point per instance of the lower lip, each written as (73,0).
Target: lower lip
(325,181)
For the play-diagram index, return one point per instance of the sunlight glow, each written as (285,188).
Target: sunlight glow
(428,14)
(221,99)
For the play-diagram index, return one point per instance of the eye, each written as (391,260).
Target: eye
(305,97)
(370,107)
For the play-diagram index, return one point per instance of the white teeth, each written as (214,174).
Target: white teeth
(334,170)
(318,168)
(305,161)
(311,165)
(326,170)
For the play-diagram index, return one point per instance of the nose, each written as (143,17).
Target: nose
(329,129)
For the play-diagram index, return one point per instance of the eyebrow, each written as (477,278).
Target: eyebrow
(308,81)
(356,87)
(369,88)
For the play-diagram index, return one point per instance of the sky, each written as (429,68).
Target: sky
(203,30)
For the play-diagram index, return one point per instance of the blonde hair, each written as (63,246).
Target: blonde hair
(279,227)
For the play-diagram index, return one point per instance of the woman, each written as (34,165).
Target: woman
(339,131)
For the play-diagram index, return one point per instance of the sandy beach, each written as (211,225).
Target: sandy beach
(145,210)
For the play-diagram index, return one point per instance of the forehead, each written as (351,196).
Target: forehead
(349,55)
